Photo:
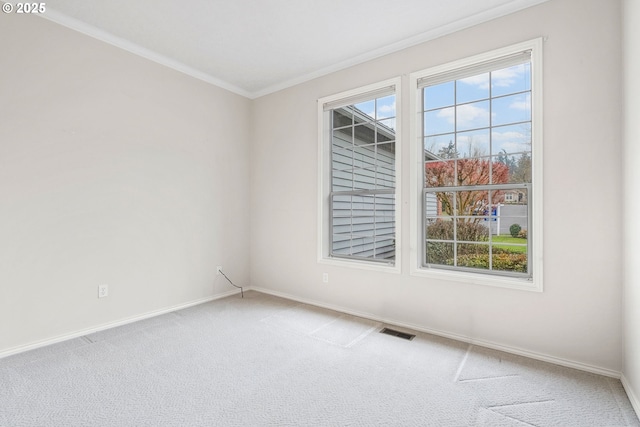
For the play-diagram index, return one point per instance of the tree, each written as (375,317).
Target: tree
(521,172)
(448,152)
(470,171)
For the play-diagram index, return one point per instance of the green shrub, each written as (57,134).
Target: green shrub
(470,231)
(442,252)
(514,230)
(501,261)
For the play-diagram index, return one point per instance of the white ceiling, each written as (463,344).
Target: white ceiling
(255,47)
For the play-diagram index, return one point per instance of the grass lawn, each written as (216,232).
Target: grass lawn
(511,240)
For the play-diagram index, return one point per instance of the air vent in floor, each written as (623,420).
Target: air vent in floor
(398,334)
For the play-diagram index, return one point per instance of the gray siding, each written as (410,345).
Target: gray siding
(363,225)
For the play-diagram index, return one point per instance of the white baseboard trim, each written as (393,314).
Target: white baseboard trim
(482,343)
(121,322)
(633,397)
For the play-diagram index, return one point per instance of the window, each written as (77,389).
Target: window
(478,142)
(359,154)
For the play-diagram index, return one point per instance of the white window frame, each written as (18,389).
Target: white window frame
(417,172)
(324,176)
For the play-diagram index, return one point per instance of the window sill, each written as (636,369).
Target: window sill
(479,279)
(363,265)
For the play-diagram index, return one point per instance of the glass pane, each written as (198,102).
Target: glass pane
(511,139)
(471,203)
(439,253)
(472,230)
(384,134)
(472,116)
(439,96)
(446,203)
(439,228)
(511,80)
(388,126)
(439,121)
(342,180)
(432,207)
(519,167)
(364,134)
(500,169)
(386,107)
(473,255)
(342,117)
(440,147)
(364,226)
(473,143)
(365,111)
(472,88)
(510,244)
(473,171)
(511,109)
(342,137)
(440,173)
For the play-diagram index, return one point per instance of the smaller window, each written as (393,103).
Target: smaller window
(359,157)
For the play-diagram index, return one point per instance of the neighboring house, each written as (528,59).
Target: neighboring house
(363,159)
(515,196)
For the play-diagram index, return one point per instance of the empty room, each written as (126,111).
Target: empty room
(327,213)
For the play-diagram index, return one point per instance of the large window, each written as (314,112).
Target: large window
(480,173)
(359,148)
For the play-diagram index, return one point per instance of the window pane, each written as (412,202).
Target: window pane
(384,133)
(388,126)
(511,139)
(364,226)
(439,121)
(473,171)
(471,203)
(439,228)
(511,109)
(518,167)
(439,253)
(386,107)
(473,143)
(365,111)
(342,117)
(510,243)
(472,88)
(364,134)
(472,230)
(343,137)
(472,116)
(473,256)
(438,96)
(511,80)
(440,174)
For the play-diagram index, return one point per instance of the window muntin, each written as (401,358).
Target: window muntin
(477,149)
(363,179)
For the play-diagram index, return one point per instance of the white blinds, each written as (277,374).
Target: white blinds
(475,69)
(360,97)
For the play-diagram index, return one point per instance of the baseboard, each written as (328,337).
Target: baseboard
(482,343)
(121,322)
(633,397)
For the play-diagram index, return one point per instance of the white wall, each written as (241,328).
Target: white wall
(114,170)
(578,316)
(631,39)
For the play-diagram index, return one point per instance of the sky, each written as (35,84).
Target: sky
(484,125)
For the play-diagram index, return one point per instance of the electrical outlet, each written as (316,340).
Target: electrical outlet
(103,291)
(218,270)
(325,277)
